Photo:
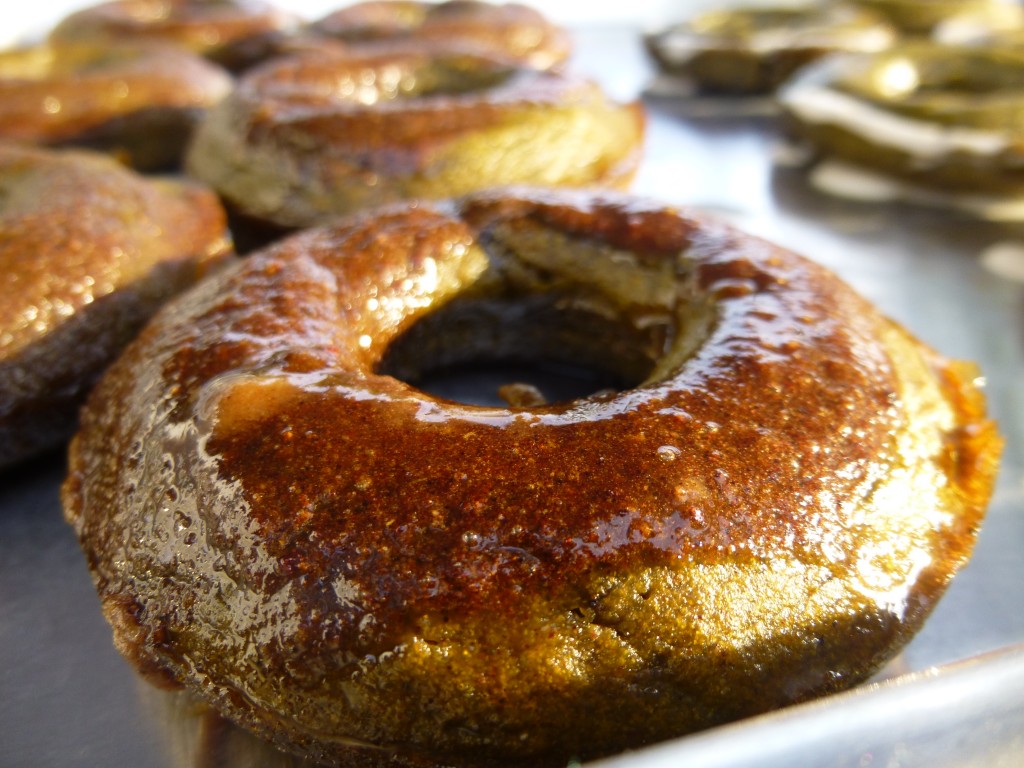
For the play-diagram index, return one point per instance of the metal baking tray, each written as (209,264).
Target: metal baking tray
(954,698)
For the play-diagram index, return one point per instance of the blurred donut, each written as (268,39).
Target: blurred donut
(746,51)
(138,103)
(509,30)
(89,251)
(307,137)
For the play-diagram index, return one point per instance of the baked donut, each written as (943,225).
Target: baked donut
(89,250)
(510,30)
(140,103)
(363,572)
(753,50)
(307,137)
(940,122)
(234,33)
(922,17)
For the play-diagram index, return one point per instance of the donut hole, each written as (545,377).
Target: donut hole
(521,351)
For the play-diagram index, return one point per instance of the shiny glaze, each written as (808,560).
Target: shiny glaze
(118,97)
(307,137)
(313,520)
(220,29)
(942,118)
(507,29)
(89,251)
(755,50)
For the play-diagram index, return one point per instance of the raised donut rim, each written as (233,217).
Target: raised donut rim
(146,634)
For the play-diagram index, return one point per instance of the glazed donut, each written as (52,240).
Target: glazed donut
(940,122)
(922,17)
(232,32)
(140,104)
(307,137)
(752,51)
(510,30)
(89,250)
(279,520)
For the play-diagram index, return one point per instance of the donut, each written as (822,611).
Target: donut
(514,31)
(89,250)
(753,50)
(234,33)
(923,17)
(140,103)
(938,121)
(307,137)
(281,520)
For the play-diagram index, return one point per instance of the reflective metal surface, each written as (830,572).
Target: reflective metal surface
(67,699)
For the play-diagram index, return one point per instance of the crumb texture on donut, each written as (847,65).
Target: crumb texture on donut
(89,250)
(278,520)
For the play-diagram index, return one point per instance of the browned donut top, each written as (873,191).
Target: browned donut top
(52,93)
(199,25)
(512,30)
(770,410)
(77,227)
(397,98)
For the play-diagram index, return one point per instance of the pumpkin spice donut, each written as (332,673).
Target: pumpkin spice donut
(307,137)
(89,250)
(928,123)
(511,30)
(368,574)
(139,103)
(748,51)
(233,33)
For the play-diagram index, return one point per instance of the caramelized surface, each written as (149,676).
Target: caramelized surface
(139,103)
(357,569)
(507,29)
(224,30)
(88,251)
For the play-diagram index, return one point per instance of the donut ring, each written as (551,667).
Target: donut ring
(89,250)
(512,31)
(922,17)
(140,104)
(231,32)
(364,572)
(750,51)
(945,120)
(308,137)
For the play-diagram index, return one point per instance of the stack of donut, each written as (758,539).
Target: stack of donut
(279,520)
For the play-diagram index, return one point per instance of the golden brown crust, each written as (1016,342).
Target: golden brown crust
(89,250)
(230,32)
(305,138)
(510,30)
(361,571)
(139,103)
